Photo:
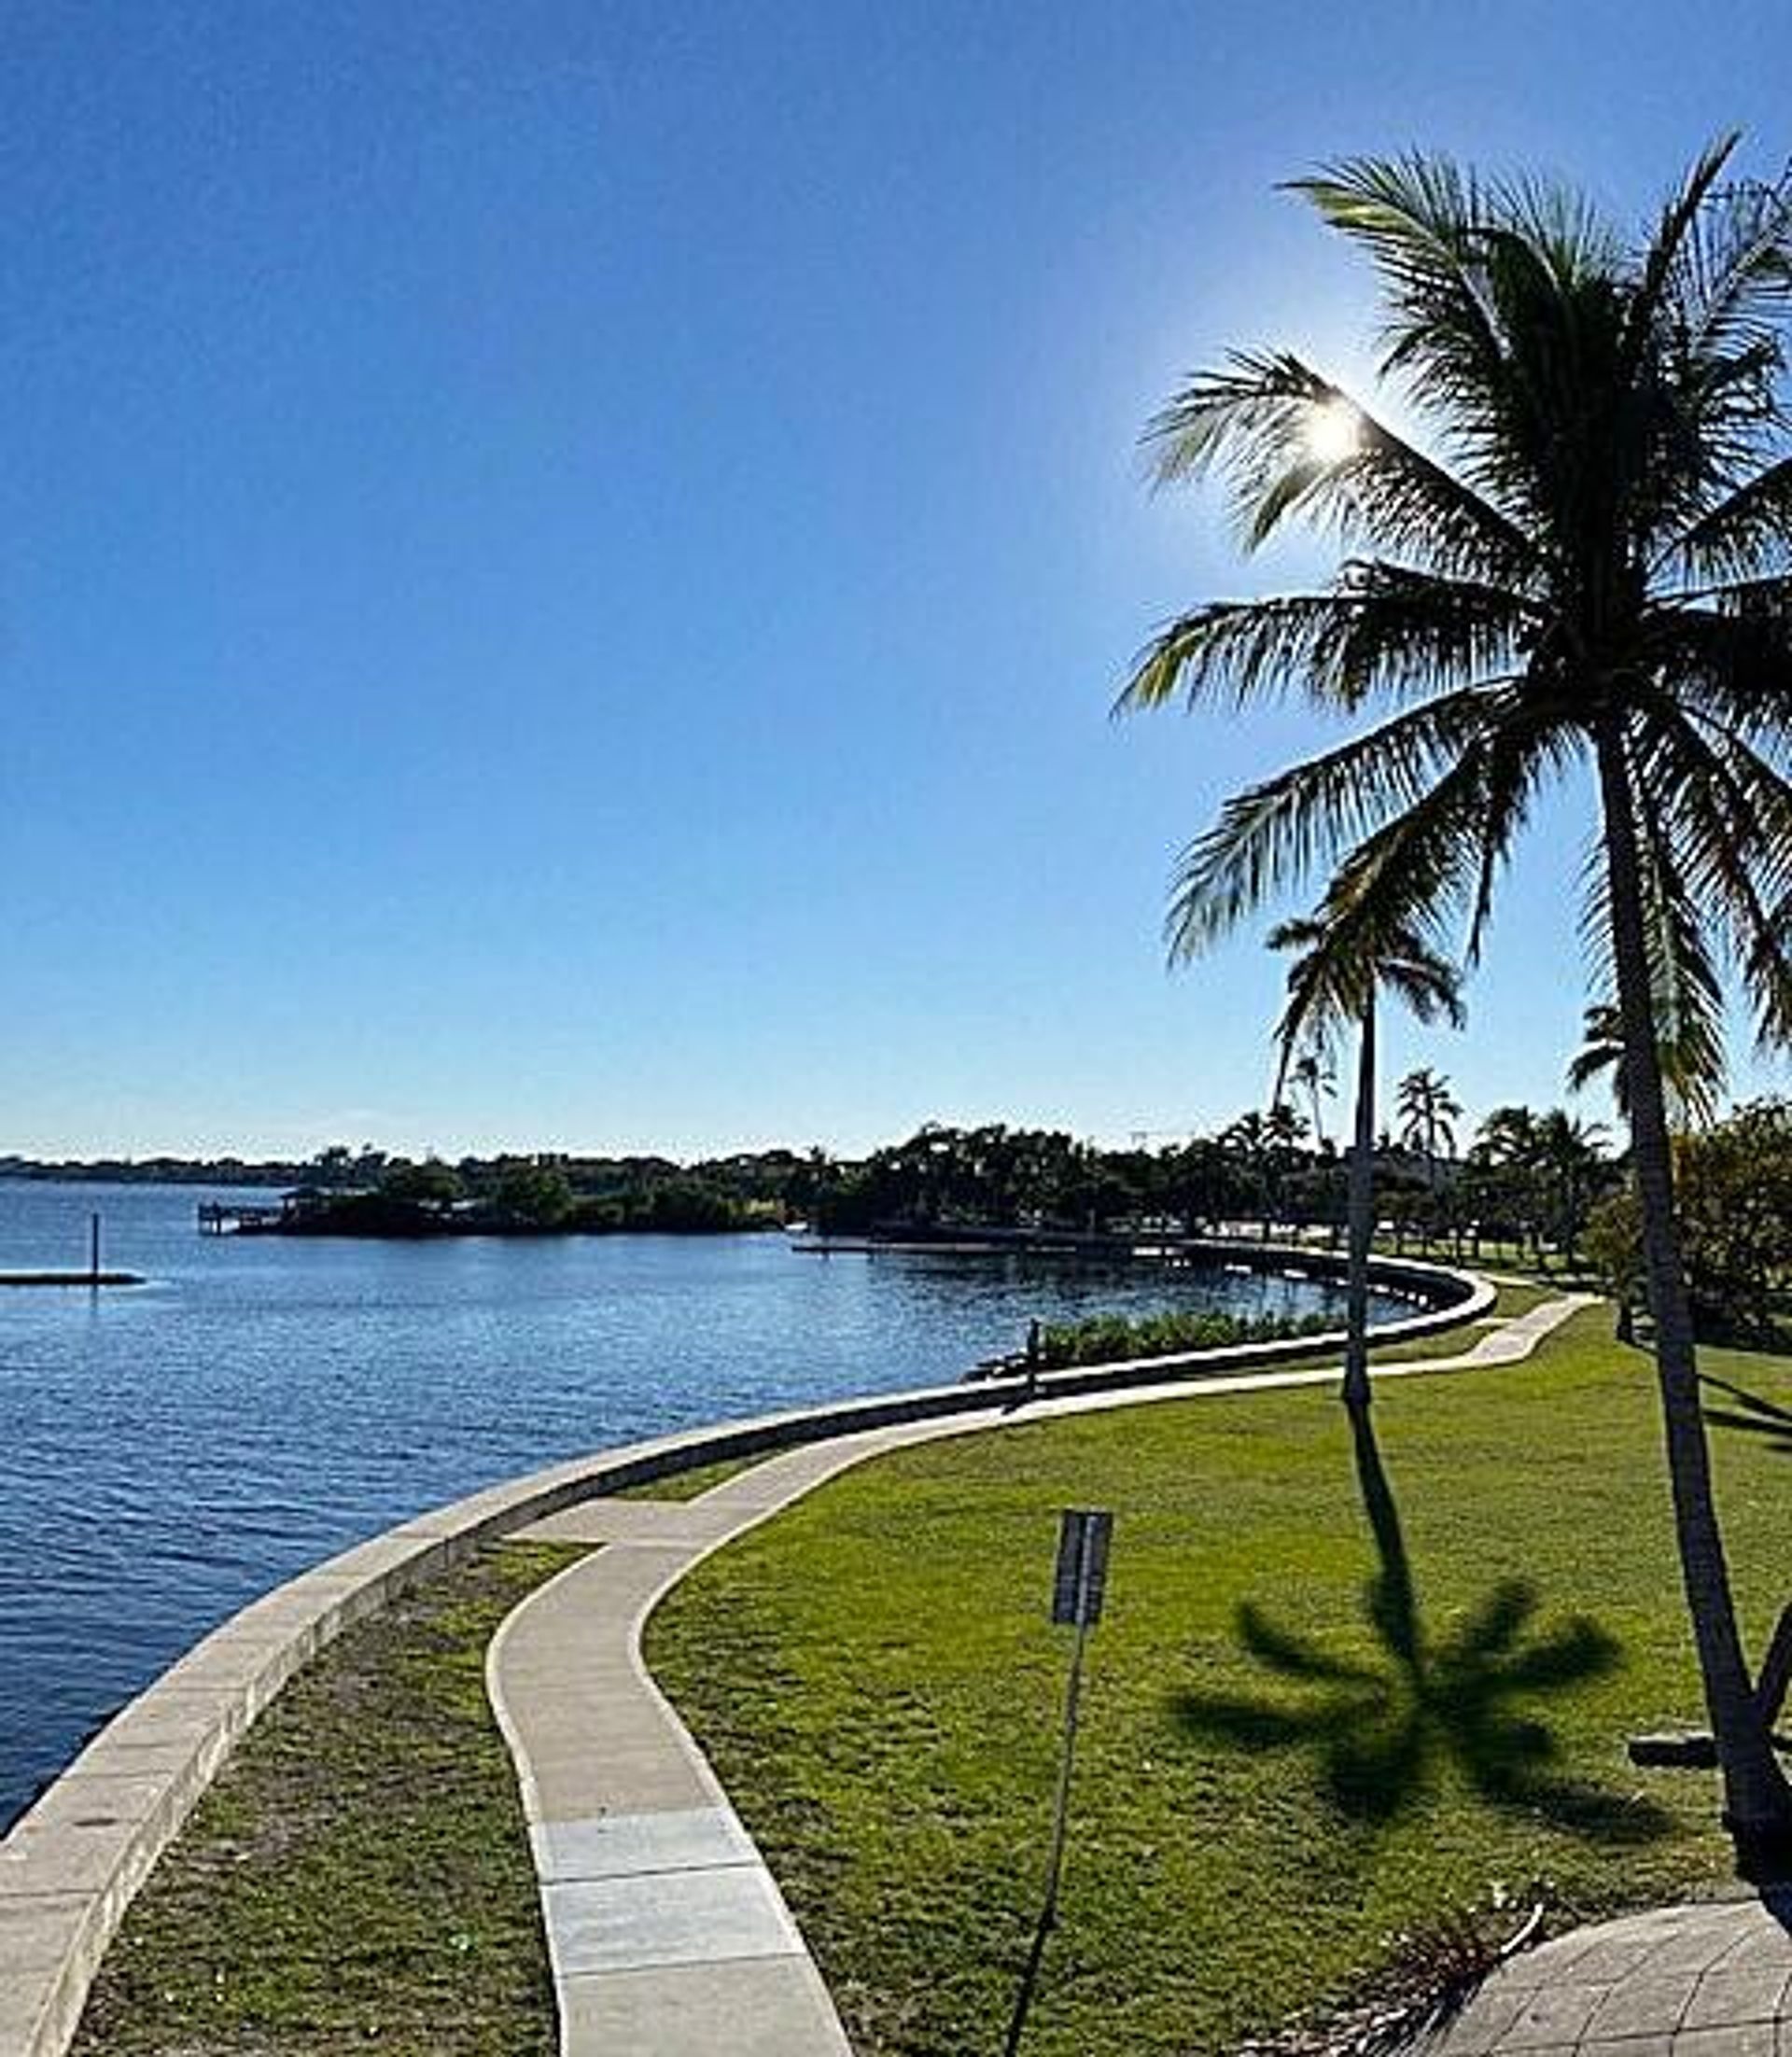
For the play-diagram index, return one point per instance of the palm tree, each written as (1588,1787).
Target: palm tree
(1312,1075)
(1330,987)
(1509,1136)
(1571,1170)
(1583,555)
(1427,1112)
(1692,1066)
(1264,1144)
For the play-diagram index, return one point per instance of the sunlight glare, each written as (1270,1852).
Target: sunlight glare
(1333,430)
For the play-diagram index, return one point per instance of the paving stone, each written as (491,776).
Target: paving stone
(1556,1958)
(1679,1982)
(1699,1948)
(1762,1944)
(1741,2039)
(18,2037)
(1477,2030)
(672,1918)
(1641,2006)
(1552,2014)
(1726,1998)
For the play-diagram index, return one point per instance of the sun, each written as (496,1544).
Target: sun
(1333,430)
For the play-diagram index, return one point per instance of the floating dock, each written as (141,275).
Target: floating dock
(71,1278)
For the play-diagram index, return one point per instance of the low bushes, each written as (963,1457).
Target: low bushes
(1105,1338)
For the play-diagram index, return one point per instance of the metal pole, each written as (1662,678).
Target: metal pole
(1054,1870)
(94,1250)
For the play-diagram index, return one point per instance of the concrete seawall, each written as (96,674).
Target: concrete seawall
(71,1865)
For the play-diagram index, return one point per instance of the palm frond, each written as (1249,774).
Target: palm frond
(1385,629)
(1416,875)
(1252,424)
(1721,817)
(1747,533)
(1269,839)
(1732,273)
(1333,979)
(1676,245)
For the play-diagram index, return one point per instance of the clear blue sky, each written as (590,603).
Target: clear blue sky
(562,566)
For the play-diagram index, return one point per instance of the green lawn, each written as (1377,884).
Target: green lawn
(359,1877)
(1270,1790)
(687,1485)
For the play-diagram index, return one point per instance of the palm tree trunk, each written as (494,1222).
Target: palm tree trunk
(1356,1392)
(1758,1801)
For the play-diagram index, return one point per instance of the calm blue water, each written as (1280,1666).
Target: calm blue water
(169,1452)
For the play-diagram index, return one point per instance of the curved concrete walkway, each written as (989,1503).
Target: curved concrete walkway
(1709,1980)
(667,1934)
(72,1863)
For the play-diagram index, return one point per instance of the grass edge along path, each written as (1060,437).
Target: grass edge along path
(1291,1758)
(359,1874)
(264,1918)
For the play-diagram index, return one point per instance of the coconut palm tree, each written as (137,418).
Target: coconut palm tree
(1580,556)
(1692,1065)
(1427,1112)
(1332,986)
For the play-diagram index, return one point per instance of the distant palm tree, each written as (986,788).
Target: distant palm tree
(1311,1074)
(1331,987)
(1692,1066)
(1509,1136)
(1593,565)
(1427,1111)
(1266,1144)
(1571,1167)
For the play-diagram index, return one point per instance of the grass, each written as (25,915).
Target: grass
(1512,1301)
(360,1876)
(687,1485)
(1551,1269)
(1299,1740)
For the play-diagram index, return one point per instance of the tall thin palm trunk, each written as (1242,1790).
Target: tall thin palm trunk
(1757,1799)
(1357,1392)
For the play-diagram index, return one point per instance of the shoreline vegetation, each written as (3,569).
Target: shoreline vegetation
(1112,1339)
(1538,1192)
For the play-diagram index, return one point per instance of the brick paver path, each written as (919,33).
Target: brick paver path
(1705,1981)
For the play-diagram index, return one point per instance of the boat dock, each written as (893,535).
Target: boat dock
(239,1217)
(71,1278)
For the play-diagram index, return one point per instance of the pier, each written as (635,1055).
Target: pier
(239,1217)
(70,1279)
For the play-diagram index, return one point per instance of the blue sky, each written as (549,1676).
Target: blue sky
(562,567)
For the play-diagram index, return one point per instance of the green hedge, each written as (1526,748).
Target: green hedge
(1106,1337)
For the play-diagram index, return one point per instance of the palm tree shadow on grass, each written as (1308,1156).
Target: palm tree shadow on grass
(1752,1414)
(1382,1728)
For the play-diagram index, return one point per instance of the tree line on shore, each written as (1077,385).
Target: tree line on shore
(1540,1185)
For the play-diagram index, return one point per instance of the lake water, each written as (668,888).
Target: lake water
(169,1452)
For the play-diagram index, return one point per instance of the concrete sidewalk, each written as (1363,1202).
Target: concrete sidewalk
(667,1933)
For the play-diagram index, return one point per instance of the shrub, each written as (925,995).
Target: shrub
(1105,1337)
